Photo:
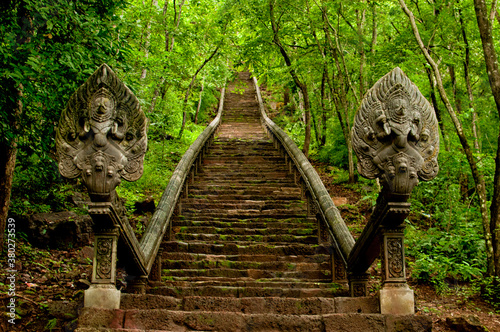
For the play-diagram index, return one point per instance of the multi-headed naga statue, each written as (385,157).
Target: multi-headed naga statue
(102,135)
(395,134)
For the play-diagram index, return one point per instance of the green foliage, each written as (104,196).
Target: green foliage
(445,235)
(334,153)
(38,187)
(490,290)
(159,163)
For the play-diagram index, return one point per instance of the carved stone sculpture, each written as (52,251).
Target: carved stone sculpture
(102,135)
(395,134)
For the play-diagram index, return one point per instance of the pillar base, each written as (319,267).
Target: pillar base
(102,297)
(397,300)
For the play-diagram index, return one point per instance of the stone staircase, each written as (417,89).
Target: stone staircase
(242,254)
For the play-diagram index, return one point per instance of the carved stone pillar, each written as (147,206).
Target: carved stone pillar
(137,285)
(155,274)
(312,209)
(101,137)
(358,284)
(395,137)
(103,293)
(395,296)
(339,272)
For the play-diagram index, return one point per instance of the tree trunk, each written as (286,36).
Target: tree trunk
(341,101)
(186,97)
(322,130)
(148,40)
(199,103)
(435,104)
(468,83)
(302,86)
(485,24)
(286,96)
(361,17)
(8,153)
(478,177)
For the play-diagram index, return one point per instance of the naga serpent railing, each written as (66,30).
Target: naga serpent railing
(320,204)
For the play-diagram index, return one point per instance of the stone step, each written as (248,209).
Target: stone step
(247,281)
(241,292)
(269,191)
(233,195)
(240,168)
(293,249)
(244,177)
(255,238)
(248,273)
(252,305)
(235,181)
(245,258)
(242,160)
(188,213)
(257,223)
(261,205)
(171,264)
(230,320)
(211,230)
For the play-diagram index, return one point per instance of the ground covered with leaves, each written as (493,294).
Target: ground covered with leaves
(49,287)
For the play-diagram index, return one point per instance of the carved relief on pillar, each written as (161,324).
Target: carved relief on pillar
(104,249)
(358,284)
(392,254)
(395,134)
(338,265)
(104,268)
(102,135)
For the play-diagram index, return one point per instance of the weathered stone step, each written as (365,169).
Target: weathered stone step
(235,160)
(245,249)
(242,168)
(240,292)
(252,305)
(241,213)
(281,283)
(263,282)
(246,258)
(211,230)
(269,191)
(243,176)
(203,221)
(247,273)
(200,203)
(231,147)
(170,264)
(248,178)
(242,140)
(232,195)
(93,320)
(220,238)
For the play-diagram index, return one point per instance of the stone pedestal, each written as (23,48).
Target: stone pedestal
(103,293)
(397,301)
(102,297)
